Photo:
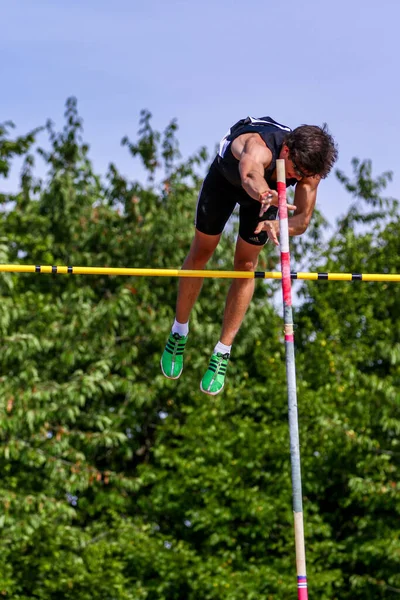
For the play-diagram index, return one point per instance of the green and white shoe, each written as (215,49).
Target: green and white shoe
(214,378)
(172,357)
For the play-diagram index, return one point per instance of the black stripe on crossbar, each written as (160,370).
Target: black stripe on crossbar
(37,269)
(261,275)
(323,276)
(70,269)
(54,270)
(356,276)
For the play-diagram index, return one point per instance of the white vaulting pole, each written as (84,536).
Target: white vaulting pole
(291,384)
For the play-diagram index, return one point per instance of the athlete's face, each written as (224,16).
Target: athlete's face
(291,169)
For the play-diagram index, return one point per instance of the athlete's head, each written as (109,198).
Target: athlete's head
(312,150)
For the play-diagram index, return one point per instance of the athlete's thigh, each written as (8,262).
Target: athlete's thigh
(203,244)
(246,255)
(215,204)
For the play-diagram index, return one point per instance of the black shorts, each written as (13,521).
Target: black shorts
(217,200)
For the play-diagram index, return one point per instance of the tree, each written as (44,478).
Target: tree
(120,484)
(349,370)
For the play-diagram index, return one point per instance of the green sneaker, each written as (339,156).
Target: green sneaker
(214,378)
(172,357)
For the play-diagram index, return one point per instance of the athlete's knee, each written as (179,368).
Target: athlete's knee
(199,257)
(245,264)
(201,251)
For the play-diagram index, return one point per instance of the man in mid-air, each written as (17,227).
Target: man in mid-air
(244,173)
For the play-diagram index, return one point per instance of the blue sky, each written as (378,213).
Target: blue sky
(208,64)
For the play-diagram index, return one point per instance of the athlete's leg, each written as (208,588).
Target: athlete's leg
(215,205)
(241,290)
(200,252)
(237,302)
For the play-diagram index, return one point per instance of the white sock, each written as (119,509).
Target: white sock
(220,347)
(181,328)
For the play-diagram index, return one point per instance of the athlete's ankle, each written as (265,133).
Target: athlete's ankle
(222,348)
(181,328)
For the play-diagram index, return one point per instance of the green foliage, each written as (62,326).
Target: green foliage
(352,402)
(120,484)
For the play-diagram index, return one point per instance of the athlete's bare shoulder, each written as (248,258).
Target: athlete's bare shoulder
(253,146)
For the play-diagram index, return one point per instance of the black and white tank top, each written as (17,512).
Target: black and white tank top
(273,134)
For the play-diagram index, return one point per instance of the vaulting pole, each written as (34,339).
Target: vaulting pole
(291,384)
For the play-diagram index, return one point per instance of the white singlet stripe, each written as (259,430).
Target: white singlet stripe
(224,143)
(265,122)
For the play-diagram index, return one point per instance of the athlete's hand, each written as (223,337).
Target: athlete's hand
(267,199)
(270,198)
(272,229)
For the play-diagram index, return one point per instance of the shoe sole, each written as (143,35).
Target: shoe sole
(211,393)
(169,376)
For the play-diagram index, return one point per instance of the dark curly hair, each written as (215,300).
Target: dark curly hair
(312,149)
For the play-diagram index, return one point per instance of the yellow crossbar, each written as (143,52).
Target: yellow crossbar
(132,272)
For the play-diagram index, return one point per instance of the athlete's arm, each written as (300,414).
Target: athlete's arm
(254,157)
(305,197)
